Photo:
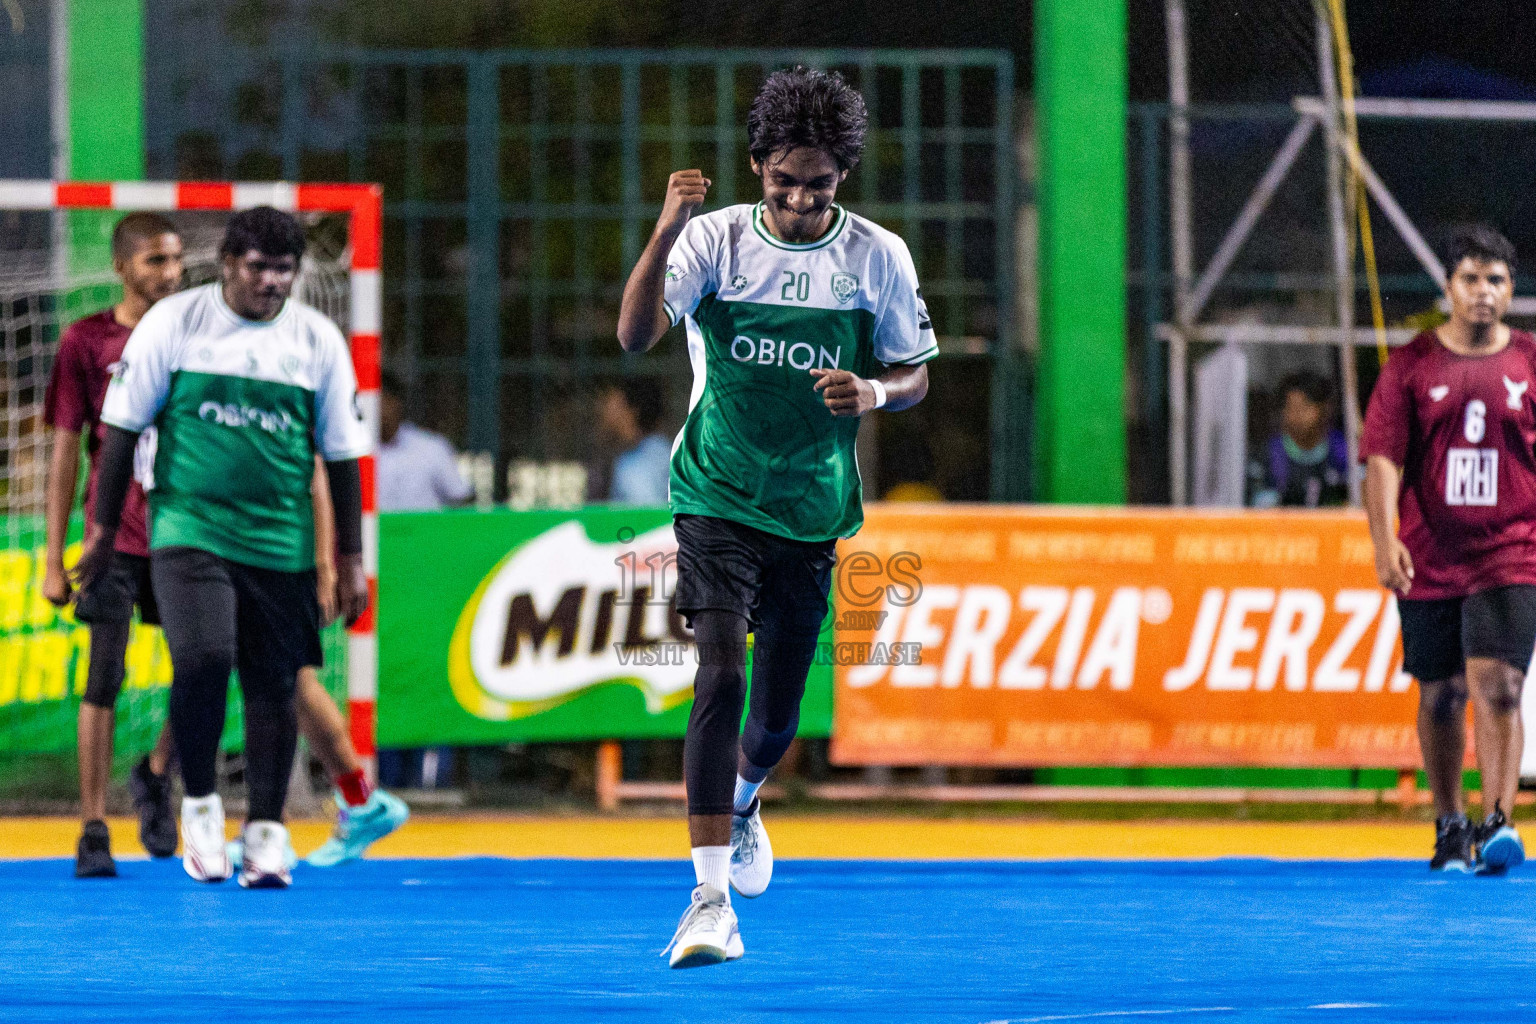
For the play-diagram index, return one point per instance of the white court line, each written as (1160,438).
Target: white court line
(1102,1014)
(1114,1013)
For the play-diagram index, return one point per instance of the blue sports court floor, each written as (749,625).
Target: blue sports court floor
(844,941)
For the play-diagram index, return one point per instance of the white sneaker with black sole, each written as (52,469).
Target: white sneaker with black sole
(264,860)
(708,933)
(751,853)
(202,838)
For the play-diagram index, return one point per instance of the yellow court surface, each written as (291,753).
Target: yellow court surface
(819,837)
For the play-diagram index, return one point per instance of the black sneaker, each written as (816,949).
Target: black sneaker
(152,800)
(93,854)
(1453,844)
(1498,844)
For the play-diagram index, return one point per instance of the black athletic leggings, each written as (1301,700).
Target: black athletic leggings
(214,623)
(779,667)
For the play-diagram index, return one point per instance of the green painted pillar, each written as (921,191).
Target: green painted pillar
(1080,129)
(105,91)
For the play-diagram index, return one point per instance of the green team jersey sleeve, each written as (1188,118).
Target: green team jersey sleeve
(903,332)
(141,381)
(340,430)
(691,273)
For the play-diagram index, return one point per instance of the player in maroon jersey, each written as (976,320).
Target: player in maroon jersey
(1448,447)
(147,256)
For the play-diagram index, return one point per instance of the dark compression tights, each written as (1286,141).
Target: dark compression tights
(201,631)
(779,667)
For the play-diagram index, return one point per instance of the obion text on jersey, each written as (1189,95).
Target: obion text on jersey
(799,355)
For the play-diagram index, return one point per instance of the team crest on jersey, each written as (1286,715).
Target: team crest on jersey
(290,365)
(844,286)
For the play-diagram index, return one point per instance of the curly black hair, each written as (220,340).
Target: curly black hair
(1482,243)
(806,107)
(269,231)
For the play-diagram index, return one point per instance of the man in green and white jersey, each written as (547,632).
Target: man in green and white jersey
(244,386)
(801,317)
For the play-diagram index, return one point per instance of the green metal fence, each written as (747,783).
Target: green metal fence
(520,186)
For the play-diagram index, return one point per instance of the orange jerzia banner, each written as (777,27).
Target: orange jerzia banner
(986,635)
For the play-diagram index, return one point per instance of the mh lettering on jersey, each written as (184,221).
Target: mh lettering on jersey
(1256,639)
(797,355)
(1472,476)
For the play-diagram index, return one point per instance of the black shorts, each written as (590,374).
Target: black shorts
(1440,635)
(771,581)
(270,617)
(112,595)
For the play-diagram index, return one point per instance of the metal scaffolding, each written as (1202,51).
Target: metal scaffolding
(1192,294)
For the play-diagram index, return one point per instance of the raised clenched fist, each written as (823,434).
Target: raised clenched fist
(685,194)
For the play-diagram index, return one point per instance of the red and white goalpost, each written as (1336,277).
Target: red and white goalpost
(363,206)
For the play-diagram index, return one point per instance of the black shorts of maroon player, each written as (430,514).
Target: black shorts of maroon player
(106,605)
(1439,635)
(111,596)
(770,581)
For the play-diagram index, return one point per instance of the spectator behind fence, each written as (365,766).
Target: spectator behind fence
(418,470)
(628,415)
(1307,463)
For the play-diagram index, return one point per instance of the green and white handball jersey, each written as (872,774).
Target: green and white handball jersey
(241,407)
(759,446)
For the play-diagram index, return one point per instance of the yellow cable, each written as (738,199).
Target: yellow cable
(1362,204)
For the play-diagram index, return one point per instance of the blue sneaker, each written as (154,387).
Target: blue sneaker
(1498,845)
(235,848)
(358,828)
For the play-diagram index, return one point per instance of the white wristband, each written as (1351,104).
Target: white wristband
(879,392)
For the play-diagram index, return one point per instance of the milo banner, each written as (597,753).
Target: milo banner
(1019,636)
(517,626)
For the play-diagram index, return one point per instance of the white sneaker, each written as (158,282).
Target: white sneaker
(265,856)
(707,933)
(236,850)
(202,838)
(751,853)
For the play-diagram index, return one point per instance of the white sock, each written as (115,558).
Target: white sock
(746,792)
(712,866)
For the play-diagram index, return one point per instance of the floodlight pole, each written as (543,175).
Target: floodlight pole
(1181,249)
(1343,263)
